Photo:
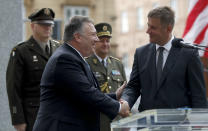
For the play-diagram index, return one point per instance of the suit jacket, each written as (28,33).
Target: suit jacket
(24,71)
(70,96)
(181,85)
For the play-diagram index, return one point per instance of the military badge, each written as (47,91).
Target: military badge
(115,72)
(35,59)
(97,74)
(13,53)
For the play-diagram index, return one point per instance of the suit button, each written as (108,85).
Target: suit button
(109,87)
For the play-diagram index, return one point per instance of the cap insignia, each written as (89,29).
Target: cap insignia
(105,28)
(47,11)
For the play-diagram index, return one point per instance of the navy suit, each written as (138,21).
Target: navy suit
(70,96)
(181,84)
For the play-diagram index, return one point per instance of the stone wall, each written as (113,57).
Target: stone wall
(11,26)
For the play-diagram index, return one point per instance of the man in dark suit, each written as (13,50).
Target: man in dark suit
(164,73)
(25,68)
(71,99)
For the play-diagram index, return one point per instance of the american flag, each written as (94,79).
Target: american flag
(196,29)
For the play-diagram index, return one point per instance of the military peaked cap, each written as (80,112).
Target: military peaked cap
(43,16)
(103,29)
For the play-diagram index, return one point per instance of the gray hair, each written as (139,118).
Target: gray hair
(165,14)
(74,26)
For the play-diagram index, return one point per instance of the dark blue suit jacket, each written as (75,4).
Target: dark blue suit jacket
(70,96)
(182,82)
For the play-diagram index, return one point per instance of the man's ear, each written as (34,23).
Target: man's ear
(32,25)
(169,28)
(77,37)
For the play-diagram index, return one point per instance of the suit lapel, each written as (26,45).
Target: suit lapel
(86,66)
(152,65)
(170,62)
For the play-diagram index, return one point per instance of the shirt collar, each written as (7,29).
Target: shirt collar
(100,59)
(77,51)
(167,46)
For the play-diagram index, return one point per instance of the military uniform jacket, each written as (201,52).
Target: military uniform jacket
(109,78)
(24,71)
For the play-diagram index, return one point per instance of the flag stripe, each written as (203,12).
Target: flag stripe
(205,43)
(199,6)
(198,25)
(200,37)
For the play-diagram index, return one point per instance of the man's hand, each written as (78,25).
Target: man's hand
(125,110)
(20,127)
(119,91)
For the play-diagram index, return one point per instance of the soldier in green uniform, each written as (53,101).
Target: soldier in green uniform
(25,68)
(108,70)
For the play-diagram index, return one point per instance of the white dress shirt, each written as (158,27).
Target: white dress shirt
(166,51)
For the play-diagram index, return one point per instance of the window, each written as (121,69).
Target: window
(57,30)
(140,18)
(70,11)
(174,6)
(124,22)
(125,60)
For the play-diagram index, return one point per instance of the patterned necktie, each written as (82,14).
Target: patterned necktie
(159,64)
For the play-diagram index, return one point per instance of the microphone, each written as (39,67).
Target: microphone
(180,43)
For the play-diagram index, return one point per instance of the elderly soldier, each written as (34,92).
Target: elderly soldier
(108,70)
(25,68)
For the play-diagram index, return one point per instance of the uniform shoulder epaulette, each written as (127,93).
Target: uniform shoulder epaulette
(115,58)
(18,45)
(55,41)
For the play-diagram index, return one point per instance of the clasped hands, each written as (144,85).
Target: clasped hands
(124,110)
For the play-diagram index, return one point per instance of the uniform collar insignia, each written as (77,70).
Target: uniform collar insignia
(95,61)
(109,61)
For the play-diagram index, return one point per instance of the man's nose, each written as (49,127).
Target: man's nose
(97,39)
(148,31)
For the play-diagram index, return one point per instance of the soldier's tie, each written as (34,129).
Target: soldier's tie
(159,64)
(47,51)
(103,63)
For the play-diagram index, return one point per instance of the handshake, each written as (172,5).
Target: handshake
(124,108)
